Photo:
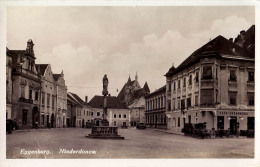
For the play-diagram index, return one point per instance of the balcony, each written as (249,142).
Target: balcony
(24,100)
(21,71)
(232,86)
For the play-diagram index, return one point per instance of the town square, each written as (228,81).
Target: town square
(130,82)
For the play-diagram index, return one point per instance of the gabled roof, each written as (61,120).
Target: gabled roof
(146,87)
(160,90)
(41,68)
(56,77)
(219,46)
(112,102)
(138,103)
(74,98)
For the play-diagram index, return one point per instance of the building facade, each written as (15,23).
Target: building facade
(48,96)
(137,110)
(214,85)
(155,107)
(117,113)
(61,100)
(26,87)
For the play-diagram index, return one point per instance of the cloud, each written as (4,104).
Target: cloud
(228,28)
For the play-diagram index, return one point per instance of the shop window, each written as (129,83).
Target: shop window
(233,76)
(220,123)
(207,72)
(251,76)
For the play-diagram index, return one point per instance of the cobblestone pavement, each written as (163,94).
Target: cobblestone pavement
(137,144)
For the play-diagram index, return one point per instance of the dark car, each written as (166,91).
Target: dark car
(140,126)
(9,126)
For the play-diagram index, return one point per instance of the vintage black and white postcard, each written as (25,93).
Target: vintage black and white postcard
(95,82)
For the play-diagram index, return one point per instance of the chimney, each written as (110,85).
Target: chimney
(231,39)
(86,99)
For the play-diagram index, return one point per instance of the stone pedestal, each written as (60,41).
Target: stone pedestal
(104,132)
(104,122)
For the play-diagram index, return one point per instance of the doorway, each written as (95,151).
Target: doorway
(48,125)
(250,123)
(233,127)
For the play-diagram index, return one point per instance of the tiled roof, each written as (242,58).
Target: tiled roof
(112,102)
(76,99)
(219,46)
(40,68)
(162,89)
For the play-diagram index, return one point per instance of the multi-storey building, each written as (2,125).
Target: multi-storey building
(26,86)
(48,96)
(215,85)
(61,98)
(117,113)
(155,104)
(9,85)
(80,111)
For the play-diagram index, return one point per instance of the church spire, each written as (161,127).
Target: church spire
(136,77)
(129,79)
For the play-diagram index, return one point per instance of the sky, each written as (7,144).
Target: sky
(87,42)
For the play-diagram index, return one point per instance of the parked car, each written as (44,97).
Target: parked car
(140,126)
(9,126)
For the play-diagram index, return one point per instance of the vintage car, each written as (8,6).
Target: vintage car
(140,126)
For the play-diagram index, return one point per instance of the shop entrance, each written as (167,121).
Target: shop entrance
(250,123)
(233,127)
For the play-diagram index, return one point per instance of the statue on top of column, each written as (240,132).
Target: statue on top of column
(105,85)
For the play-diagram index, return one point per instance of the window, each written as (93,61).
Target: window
(207,97)
(184,82)
(43,99)
(173,104)
(162,102)
(251,76)
(98,113)
(48,99)
(232,98)
(216,72)
(169,87)
(189,118)
(84,112)
(124,115)
(196,77)
(207,72)
(169,105)
(119,115)
(158,102)
(196,100)
(179,84)
(92,113)
(114,115)
(183,104)
(52,101)
(190,80)
(174,85)
(36,95)
(220,123)
(233,76)
(30,94)
(114,123)
(251,99)
(25,113)
(179,121)
(189,102)
(179,104)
